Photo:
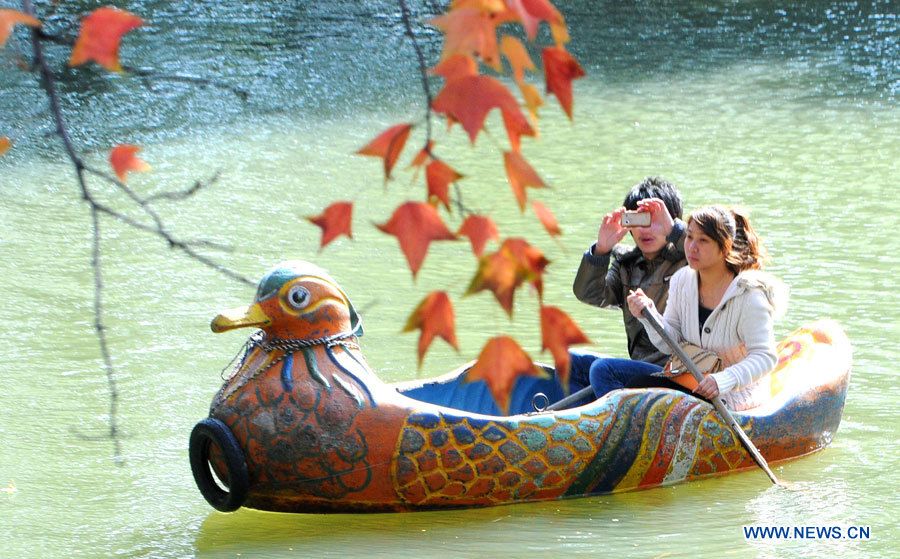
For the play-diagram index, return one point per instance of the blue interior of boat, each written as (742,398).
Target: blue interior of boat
(475,397)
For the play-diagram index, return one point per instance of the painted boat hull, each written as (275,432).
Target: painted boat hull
(318,432)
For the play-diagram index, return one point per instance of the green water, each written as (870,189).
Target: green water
(788,109)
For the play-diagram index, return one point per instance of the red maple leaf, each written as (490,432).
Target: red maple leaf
(487,6)
(502,272)
(496,272)
(532,12)
(558,332)
(5,144)
(499,364)
(416,224)
(469,31)
(520,175)
(530,261)
(456,66)
(438,176)
(334,221)
(479,228)
(101,35)
(388,146)
(434,317)
(560,68)
(423,155)
(469,99)
(517,126)
(11,18)
(548,220)
(124,159)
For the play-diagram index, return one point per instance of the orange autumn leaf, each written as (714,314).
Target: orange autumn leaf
(11,18)
(560,33)
(560,68)
(456,66)
(388,146)
(497,273)
(502,272)
(517,55)
(124,160)
(548,220)
(520,175)
(101,35)
(517,126)
(489,6)
(423,155)
(479,229)
(529,260)
(499,364)
(416,225)
(469,99)
(434,317)
(469,31)
(532,12)
(334,221)
(558,332)
(5,144)
(438,176)
(533,99)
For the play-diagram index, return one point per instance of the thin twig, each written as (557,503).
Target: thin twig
(183,194)
(423,69)
(463,210)
(101,336)
(147,75)
(429,98)
(160,228)
(49,86)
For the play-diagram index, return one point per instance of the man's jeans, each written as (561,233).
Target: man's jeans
(604,373)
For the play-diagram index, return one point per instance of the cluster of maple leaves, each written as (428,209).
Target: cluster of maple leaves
(98,40)
(470,29)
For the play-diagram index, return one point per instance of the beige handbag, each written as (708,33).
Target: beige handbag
(708,362)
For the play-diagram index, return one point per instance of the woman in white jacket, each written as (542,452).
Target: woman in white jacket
(721,302)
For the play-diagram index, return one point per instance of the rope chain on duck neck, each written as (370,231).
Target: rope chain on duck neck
(259,339)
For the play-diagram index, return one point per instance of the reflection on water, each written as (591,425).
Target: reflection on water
(789,110)
(342,58)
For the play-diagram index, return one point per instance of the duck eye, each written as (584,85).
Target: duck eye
(298,297)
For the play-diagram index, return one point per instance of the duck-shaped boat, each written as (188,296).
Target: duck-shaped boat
(304,425)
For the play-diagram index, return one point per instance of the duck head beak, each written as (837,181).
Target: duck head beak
(240,317)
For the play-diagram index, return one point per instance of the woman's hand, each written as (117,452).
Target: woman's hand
(638,301)
(611,232)
(660,220)
(708,388)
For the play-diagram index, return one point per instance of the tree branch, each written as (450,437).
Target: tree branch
(48,83)
(183,194)
(146,75)
(423,70)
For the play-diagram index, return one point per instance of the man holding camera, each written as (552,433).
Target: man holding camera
(652,213)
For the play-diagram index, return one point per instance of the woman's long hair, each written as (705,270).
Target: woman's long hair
(731,230)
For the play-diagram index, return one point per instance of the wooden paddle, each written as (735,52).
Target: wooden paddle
(717,401)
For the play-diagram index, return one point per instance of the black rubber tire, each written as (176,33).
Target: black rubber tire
(205,433)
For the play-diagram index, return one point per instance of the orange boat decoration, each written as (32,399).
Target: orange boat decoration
(303,424)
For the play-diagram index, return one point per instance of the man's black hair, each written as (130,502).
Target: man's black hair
(655,187)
